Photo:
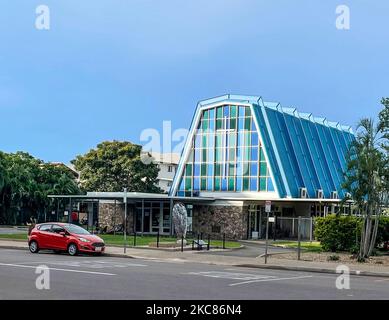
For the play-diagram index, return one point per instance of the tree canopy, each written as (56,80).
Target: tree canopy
(25,183)
(114,165)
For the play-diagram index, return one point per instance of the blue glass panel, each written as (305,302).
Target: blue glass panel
(211,140)
(241,111)
(181,193)
(196,183)
(226,111)
(197,142)
(210,170)
(270,186)
(197,155)
(238,154)
(224,184)
(254,169)
(254,139)
(239,168)
(253,184)
(182,185)
(211,153)
(196,171)
(209,184)
(241,124)
(253,127)
(239,184)
(254,154)
(212,114)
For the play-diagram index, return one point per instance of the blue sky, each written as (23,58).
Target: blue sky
(109,69)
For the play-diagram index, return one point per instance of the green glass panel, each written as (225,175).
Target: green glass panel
(263,169)
(205,125)
(219,124)
(219,112)
(246,184)
(231,169)
(247,123)
(246,156)
(218,141)
(203,184)
(248,112)
(203,170)
(231,155)
(217,184)
(262,155)
(246,169)
(204,155)
(233,123)
(217,169)
(218,155)
(188,170)
(232,139)
(206,114)
(231,184)
(247,139)
(204,141)
(188,184)
(262,184)
(233,112)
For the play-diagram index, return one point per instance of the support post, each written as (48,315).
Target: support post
(311,230)
(182,243)
(70,210)
(299,239)
(125,219)
(224,240)
(267,236)
(158,239)
(208,242)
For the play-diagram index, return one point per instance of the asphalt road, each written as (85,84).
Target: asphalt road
(93,277)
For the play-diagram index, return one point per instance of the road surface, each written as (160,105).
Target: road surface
(94,277)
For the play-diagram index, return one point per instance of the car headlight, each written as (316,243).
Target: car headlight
(84,240)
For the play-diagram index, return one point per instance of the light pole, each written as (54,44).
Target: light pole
(125,218)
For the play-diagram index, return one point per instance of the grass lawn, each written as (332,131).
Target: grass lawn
(308,246)
(111,239)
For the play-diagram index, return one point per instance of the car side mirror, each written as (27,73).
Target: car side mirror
(63,233)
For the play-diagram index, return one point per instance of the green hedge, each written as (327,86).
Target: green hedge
(342,233)
(338,233)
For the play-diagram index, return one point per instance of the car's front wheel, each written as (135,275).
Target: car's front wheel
(72,249)
(34,246)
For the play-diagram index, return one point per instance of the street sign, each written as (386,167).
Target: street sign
(268,206)
(65,213)
(272,219)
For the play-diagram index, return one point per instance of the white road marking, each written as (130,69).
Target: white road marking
(231,275)
(381,280)
(57,269)
(87,264)
(273,279)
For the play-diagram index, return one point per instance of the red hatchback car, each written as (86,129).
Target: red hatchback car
(64,237)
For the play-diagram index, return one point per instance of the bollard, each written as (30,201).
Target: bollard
(209,241)
(224,240)
(198,241)
(134,239)
(299,239)
(158,239)
(182,243)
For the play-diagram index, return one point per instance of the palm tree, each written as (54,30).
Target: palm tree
(366,179)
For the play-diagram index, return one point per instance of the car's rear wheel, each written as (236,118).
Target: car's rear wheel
(72,249)
(34,248)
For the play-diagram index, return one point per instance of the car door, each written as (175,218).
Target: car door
(44,236)
(59,241)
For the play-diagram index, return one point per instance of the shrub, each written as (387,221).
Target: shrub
(333,257)
(338,233)
(383,231)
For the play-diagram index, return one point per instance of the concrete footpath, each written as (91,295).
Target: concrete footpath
(227,260)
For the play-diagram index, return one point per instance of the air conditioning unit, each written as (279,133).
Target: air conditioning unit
(319,193)
(303,193)
(334,195)
(347,195)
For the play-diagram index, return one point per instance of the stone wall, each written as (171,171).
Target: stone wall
(216,220)
(108,218)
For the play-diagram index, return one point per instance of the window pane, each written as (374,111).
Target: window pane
(253,184)
(196,183)
(254,169)
(230,184)
(203,170)
(233,111)
(263,168)
(226,111)
(246,184)
(196,171)
(217,184)
(209,184)
(254,154)
(270,186)
(203,184)
(224,184)
(188,184)
(219,112)
(239,184)
(262,184)
(188,170)
(241,111)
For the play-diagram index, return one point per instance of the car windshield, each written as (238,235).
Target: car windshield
(71,228)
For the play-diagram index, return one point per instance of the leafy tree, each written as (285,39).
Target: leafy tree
(27,182)
(366,176)
(115,165)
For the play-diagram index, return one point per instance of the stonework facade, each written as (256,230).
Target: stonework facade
(218,219)
(111,215)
